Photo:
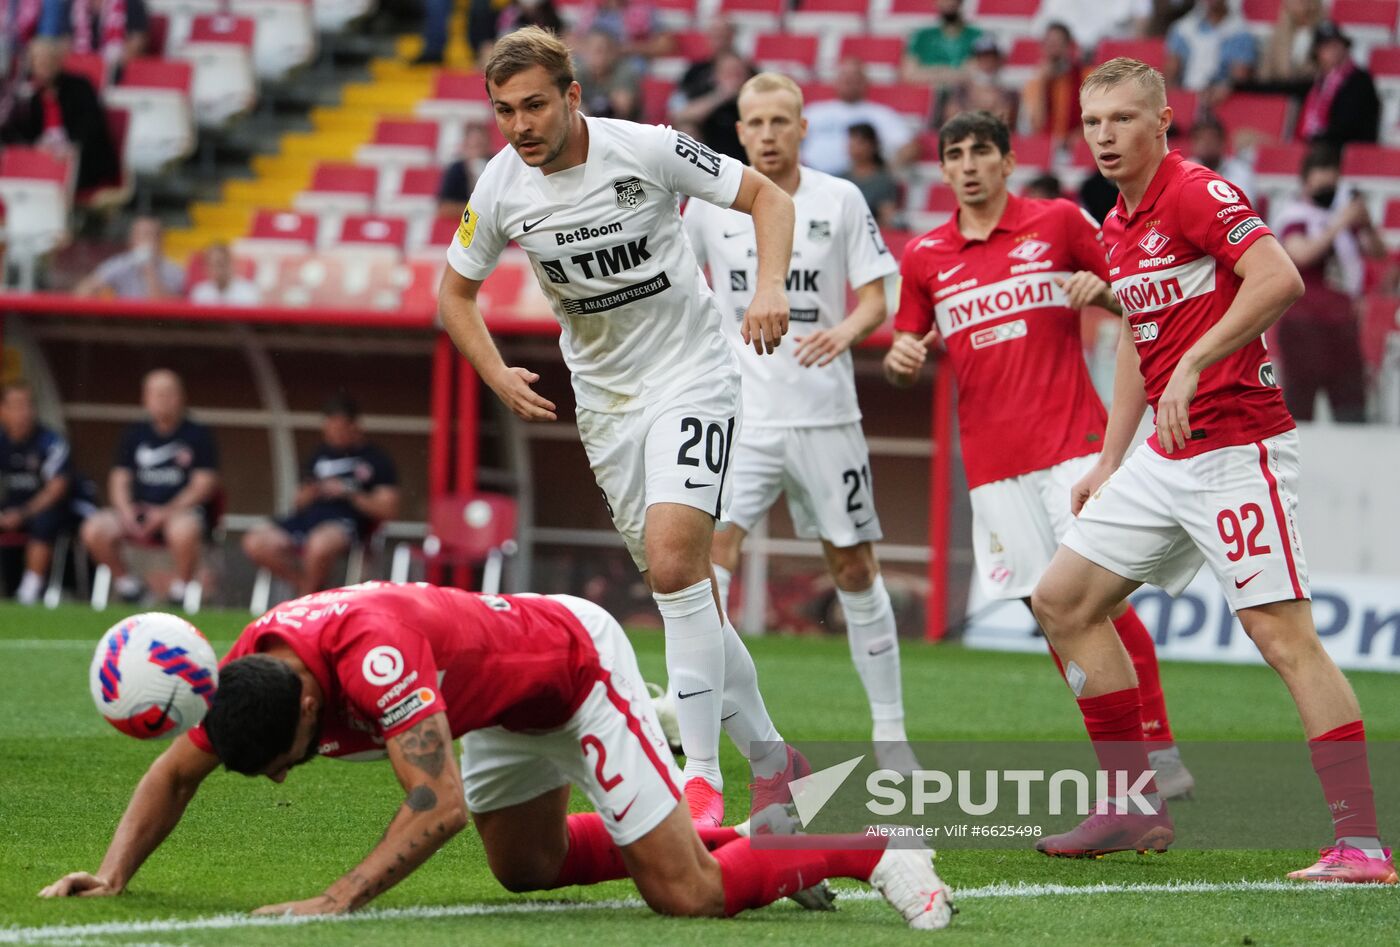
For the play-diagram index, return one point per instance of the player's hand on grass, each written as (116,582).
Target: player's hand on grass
(512,386)
(1085,289)
(765,321)
(906,357)
(1174,408)
(317,905)
(822,347)
(1087,486)
(79,884)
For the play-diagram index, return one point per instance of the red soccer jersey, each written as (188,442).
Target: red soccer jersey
(386,656)
(1025,400)
(1172,265)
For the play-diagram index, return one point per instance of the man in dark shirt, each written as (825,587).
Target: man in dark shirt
(349,486)
(161,489)
(38,487)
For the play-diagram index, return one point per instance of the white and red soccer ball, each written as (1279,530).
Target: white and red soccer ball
(153,675)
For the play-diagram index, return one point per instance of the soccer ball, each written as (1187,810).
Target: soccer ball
(153,675)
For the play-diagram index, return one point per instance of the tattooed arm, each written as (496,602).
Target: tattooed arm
(435,810)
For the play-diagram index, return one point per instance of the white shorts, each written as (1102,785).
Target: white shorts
(1156,520)
(1017,525)
(612,748)
(675,450)
(824,472)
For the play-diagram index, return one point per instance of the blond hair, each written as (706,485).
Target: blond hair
(1115,72)
(527,48)
(772,82)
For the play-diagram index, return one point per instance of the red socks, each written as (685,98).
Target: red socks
(755,878)
(1114,722)
(1143,650)
(592,856)
(1339,758)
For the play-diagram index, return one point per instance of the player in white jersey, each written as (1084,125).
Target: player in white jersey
(593,203)
(802,433)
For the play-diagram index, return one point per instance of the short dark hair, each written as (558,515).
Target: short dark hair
(982,125)
(253,719)
(1320,155)
(1048,184)
(341,405)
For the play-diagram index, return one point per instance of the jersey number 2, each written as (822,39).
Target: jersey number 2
(1232,532)
(853,478)
(588,742)
(716,444)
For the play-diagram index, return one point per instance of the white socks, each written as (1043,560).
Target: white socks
(745,717)
(695,652)
(723,578)
(875,650)
(31,586)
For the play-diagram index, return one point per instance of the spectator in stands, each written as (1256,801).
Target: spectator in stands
(42,495)
(1210,50)
(521,13)
(142,272)
(1328,233)
(611,82)
(162,490)
(348,488)
(1287,60)
(1045,187)
(1050,99)
(60,113)
(1342,106)
(870,173)
(981,86)
(827,145)
(713,117)
(699,77)
(935,51)
(115,29)
(459,177)
(631,23)
(1094,20)
(221,285)
(1208,141)
(1165,13)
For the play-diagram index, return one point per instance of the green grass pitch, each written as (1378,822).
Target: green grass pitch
(65,777)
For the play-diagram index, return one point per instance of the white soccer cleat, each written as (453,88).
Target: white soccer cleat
(896,755)
(1174,780)
(906,879)
(666,713)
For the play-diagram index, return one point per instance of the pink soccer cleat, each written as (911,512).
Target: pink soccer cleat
(1343,863)
(774,790)
(1100,835)
(705,801)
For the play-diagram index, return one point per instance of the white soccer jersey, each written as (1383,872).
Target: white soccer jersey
(606,245)
(836,245)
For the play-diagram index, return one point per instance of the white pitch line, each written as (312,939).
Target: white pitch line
(218,922)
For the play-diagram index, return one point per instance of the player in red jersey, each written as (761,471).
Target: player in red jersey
(1199,278)
(1000,286)
(544,692)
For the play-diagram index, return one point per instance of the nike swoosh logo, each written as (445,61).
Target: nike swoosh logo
(683,695)
(876,652)
(157,456)
(737,233)
(1240,585)
(527,226)
(325,469)
(619,816)
(159,723)
(864,523)
(944,274)
(696,486)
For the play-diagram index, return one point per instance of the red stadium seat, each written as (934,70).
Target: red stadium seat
(832,20)
(372,232)
(399,143)
(1008,19)
(471,530)
(941,199)
(1151,51)
(1185,104)
(912,101)
(457,97)
(414,198)
(1034,151)
(1374,168)
(1390,222)
(693,45)
(903,17)
(344,185)
(220,48)
(285,38)
(35,191)
(1261,14)
(1282,160)
(1256,116)
(1376,20)
(277,233)
(675,14)
(656,94)
(1380,318)
(758,15)
(157,94)
(90,66)
(786,53)
(880,54)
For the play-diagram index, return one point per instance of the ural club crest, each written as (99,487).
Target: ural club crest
(1153,242)
(629,193)
(1030,250)
(818,230)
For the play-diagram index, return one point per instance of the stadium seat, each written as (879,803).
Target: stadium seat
(278,233)
(1151,51)
(1369,22)
(1261,15)
(674,15)
(91,66)
(656,97)
(1008,19)
(468,530)
(1258,118)
(338,190)
(353,282)
(58,564)
(904,17)
(1276,169)
(1380,320)
(35,189)
(156,93)
(1385,68)
(938,207)
(914,102)
(881,55)
(440,234)
(285,37)
(1374,169)
(220,48)
(759,16)
(1185,106)
(457,97)
(415,199)
(333,16)
(360,550)
(1390,222)
(830,21)
(792,55)
(178,15)
(194,589)
(1022,62)
(368,234)
(688,46)
(399,143)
